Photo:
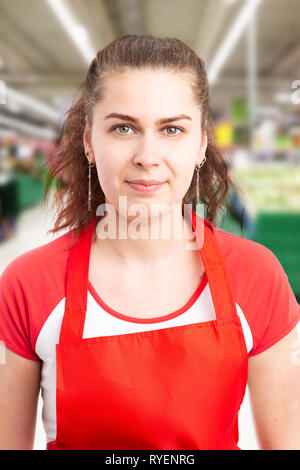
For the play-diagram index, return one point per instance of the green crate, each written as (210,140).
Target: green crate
(30,190)
(280,232)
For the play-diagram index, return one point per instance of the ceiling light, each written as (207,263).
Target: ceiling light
(232,37)
(76,31)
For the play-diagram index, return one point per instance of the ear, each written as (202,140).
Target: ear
(87,142)
(202,148)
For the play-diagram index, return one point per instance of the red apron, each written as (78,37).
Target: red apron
(174,388)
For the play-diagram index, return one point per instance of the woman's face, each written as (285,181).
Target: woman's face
(125,150)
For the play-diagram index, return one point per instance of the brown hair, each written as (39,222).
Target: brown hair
(69,164)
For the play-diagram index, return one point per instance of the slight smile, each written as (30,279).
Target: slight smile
(145,186)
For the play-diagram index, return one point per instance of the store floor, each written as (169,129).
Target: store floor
(32,229)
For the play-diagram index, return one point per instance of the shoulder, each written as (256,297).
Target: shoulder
(254,270)
(37,276)
(31,286)
(242,254)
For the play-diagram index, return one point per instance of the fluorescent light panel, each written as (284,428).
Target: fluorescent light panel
(76,31)
(232,38)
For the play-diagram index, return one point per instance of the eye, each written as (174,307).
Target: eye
(174,127)
(120,127)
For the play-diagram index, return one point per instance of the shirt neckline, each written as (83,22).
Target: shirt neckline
(159,319)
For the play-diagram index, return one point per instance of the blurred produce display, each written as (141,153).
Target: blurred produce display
(272,188)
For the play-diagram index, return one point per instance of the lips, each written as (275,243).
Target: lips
(145,186)
(145,182)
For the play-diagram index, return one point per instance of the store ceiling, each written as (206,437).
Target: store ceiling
(38,58)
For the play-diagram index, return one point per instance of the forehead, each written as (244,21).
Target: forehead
(147,89)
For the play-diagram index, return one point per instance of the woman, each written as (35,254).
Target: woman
(146,342)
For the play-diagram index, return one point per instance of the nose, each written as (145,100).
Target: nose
(147,152)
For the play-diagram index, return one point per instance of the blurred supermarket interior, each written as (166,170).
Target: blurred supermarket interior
(251,50)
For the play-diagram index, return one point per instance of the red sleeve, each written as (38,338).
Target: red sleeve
(261,289)
(14,322)
(279,309)
(31,286)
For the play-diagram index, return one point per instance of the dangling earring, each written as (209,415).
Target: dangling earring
(197,168)
(91,165)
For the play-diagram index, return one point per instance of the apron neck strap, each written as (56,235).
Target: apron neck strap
(78,271)
(77,285)
(215,267)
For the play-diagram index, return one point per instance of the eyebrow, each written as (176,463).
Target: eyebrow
(125,117)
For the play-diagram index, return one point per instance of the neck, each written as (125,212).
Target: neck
(144,241)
